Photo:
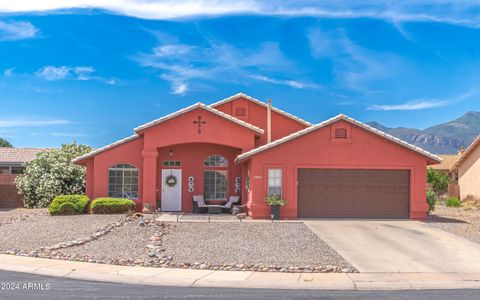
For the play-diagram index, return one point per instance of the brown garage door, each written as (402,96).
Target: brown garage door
(332,193)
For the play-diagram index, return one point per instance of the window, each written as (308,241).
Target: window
(4,170)
(275,182)
(215,161)
(215,185)
(123,181)
(240,111)
(340,133)
(18,170)
(172,163)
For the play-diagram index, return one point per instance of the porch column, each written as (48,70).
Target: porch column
(150,171)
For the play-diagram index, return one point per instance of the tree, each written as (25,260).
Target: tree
(5,143)
(439,181)
(51,174)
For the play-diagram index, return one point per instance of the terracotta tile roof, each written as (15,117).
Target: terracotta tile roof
(447,162)
(467,152)
(18,155)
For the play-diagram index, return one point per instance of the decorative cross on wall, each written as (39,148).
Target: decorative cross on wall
(199,123)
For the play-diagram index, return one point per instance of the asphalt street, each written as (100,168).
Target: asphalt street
(26,286)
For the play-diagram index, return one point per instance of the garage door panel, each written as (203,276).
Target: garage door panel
(353,193)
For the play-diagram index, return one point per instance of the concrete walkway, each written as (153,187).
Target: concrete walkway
(237,279)
(398,246)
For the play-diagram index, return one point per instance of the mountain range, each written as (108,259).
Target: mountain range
(446,138)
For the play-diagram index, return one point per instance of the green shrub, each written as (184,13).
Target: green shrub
(111,206)
(275,200)
(68,205)
(431,200)
(52,173)
(452,202)
(439,181)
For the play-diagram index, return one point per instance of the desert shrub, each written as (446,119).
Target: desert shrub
(431,200)
(52,173)
(452,202)
(68,205)
(439,181)
(111,206)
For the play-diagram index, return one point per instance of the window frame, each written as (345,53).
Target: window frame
(215,156)
(125,167)
(216,185)
(276,179)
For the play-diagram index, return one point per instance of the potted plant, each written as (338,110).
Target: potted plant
(275,202)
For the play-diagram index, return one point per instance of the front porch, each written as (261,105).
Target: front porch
(185,170)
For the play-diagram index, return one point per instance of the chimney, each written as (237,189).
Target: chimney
(462,150)
(269,120)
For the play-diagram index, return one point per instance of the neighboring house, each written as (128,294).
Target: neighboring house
(468,168)
(242,146)
(446,165)
(12,162)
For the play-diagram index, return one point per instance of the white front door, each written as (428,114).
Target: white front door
(171,190)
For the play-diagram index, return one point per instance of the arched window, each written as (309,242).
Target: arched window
(341,133)
(215,161)
(215,178)
(123,181)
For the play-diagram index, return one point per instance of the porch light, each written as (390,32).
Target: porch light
(170,152)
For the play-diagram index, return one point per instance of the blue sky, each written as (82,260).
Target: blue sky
(89,71)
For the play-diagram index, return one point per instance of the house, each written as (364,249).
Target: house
(468,168)
(446,165)
(12,162)
(242,146)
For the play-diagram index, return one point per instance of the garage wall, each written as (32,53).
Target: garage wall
(361,150)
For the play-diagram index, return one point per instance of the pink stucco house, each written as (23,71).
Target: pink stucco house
(244,147)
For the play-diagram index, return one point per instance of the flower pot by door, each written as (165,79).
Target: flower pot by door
(275,212)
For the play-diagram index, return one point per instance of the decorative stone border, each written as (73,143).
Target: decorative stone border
(155,257)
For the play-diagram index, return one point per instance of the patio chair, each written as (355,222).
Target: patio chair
(231,201)
(199,205)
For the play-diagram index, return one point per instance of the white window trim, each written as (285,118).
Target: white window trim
(274,179)
(123,169)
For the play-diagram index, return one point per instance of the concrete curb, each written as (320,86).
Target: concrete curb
(238,279)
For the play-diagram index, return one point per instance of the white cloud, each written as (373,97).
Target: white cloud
(15,30)
(83,73)
(464,13)
(31,122)
(53,73)
(410,105)
(183,66)
(354,67)
(68,134)
(291,83)
(8,72)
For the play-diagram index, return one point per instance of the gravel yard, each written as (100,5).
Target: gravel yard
(44,230)
(462,221)
(116,239)
(267,244)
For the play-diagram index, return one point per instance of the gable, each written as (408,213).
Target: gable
(255,113)
(198,126)
(349,122)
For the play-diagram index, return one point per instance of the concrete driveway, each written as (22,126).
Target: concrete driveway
(398,246)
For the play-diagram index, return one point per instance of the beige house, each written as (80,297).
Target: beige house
(468,168)
(448,160)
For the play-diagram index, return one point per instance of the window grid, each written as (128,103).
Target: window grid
(275,182)
(123,181)
(215,161)
(172,163)
(215,185)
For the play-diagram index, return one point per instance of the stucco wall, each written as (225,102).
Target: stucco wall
(191,157)
(363,150)
(97,177)
(257,115)
(469,175)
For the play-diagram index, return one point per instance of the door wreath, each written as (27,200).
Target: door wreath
(171,180)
